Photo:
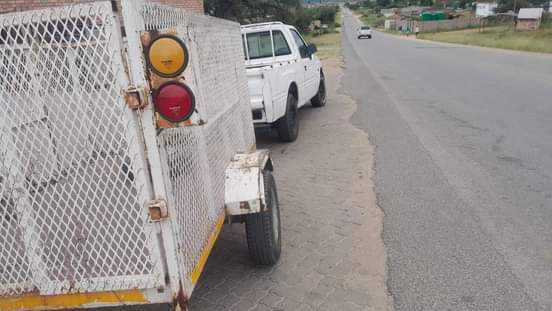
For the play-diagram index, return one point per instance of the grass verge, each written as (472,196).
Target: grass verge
(329,44)
(370,17)
(503,37)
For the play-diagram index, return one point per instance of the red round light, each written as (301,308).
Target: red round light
(175,101)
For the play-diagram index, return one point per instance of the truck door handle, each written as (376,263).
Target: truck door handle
(305,68)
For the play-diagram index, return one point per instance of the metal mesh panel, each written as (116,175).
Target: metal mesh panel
(197,157)
(72,189)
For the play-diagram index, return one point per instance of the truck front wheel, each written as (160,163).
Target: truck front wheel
(288,125)
(263,229)
(320,99)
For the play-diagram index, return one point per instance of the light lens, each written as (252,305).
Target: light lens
(167,56)
(175,102)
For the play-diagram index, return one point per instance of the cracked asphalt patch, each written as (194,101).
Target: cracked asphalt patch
(333,254)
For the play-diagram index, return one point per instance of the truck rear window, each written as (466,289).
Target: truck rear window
(259,44)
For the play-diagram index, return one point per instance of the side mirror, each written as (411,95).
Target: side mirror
(312,49)
(304,51)
(308,51)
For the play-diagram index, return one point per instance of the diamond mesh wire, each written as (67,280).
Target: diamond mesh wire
(196,157)
(72,215)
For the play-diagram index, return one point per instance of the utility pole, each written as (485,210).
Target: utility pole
(515,14)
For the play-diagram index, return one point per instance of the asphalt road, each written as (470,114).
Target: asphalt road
(463,140)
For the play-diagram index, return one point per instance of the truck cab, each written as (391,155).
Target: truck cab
(284,74)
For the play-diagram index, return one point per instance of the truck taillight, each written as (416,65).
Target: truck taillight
(175,102)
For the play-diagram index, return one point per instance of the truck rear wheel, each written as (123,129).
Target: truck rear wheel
(263,229)
(320,99)
(288,125)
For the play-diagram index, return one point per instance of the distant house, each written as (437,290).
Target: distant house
(412,11)
(485,9)
(390,24)
(529,19)
(389,12)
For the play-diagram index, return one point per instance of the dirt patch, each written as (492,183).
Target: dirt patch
(369,235)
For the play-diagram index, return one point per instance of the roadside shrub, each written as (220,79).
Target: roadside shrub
(352,6)
(547,19)
(369,17)
(326,14)
(303,17)
(498,20)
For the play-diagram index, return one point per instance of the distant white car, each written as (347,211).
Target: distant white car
(364,32)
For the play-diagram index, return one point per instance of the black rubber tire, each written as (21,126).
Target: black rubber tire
(320,99)
(264,232)
(370,37)
(288,125)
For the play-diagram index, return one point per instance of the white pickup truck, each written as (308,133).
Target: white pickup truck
(283,73)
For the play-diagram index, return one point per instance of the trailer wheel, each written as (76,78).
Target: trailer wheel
(288,125)
(263,229)
(320,99)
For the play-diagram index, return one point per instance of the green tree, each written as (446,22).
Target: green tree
(249,11)
(508,5)
(440,4)
(255,11)
(383,3)
(464,4)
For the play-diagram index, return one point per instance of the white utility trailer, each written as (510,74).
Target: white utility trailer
(126,141)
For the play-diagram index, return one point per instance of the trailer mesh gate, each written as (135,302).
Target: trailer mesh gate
(72,189)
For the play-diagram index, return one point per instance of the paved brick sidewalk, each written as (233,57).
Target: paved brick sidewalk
(333,256)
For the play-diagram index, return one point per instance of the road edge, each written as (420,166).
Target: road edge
(364,189)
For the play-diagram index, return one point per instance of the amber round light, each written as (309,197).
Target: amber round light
(167,56)
(175,101)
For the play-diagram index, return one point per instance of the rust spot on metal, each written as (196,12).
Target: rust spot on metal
(171,31)
(145,38)
(156,81)
(137,97)
(181,300)
(133,101)
(162,123)
(244,206)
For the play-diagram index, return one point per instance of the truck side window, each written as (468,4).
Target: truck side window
(259,44)
(299,41)
(281,46)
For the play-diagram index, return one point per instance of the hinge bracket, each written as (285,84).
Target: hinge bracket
(137,97)
(158,210)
